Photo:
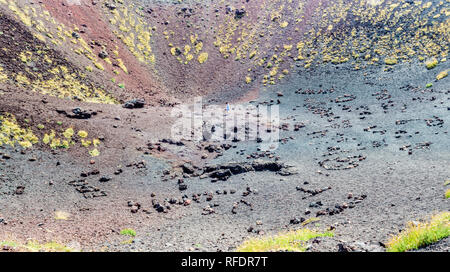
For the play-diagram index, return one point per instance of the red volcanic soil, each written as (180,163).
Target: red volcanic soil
(139,81)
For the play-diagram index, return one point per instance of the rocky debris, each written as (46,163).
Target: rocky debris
(239,13)
(359,247)
(75,35)
(345,98)
(172,142)
(338,208)
(316,204)
(418,146)
(186,202)
(404,121)
(161,208)
(312,92)
(188,168)
(252,229)
(249,191)
(312,192)
(134,206)
(134,104)
(88,191)
(296,221)
(317,134)
(435,122)
(186,12)
(208,210)
(298,126)
(138,165)
(343,247)
(156,147)
(111,6)
(342,163)
(7,248)
(90,173)
(103,54)
(78,113)
(225,171)
(182,187)
(105,179)
(19,190)
(237,204)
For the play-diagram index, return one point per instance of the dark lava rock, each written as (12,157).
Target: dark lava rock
(19,190)
(239,13)
(77,113)
(111,6)
(80,114)
(345,248)
(134,209)
(103,55)
(104,179)
(221,174)
(134,104)
(315,204)
(297,221)
(188,168)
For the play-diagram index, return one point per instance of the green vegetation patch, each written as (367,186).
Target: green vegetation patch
(34,246)
(287,241)
(128,232)
(419,235)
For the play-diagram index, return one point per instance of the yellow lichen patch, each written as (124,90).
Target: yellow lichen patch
(3,76)
(23,15)
(133,30)
(65,84)
(284,24)
(65,140)
(82,134)
(86,143)
(99,66)
(122,66)
(68,133)
(62,215)
(12,133)
(57,79)
(442,75)
(430,64)
(44,27)
(203,57)
(94,152)
(390,61)
(96,142)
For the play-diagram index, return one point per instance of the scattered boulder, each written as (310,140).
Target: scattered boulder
(19,190)
(134,104)
(103,54)
(239,13)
